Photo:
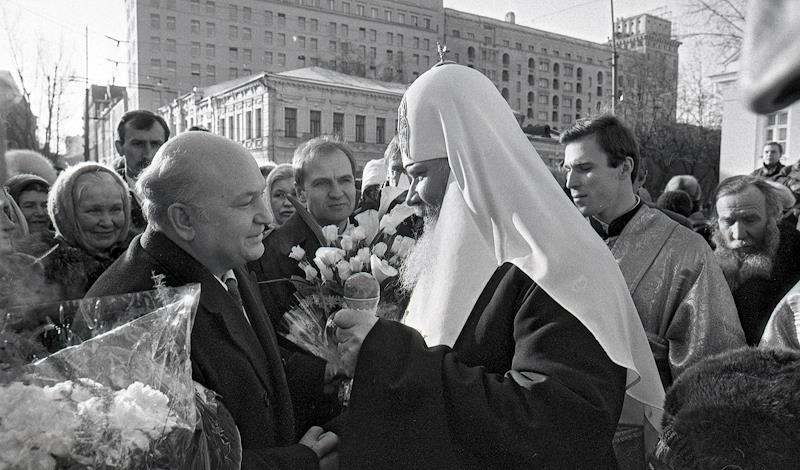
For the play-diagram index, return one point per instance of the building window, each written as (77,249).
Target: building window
(233,12)
(313,44)
(777,127)
(233,72)
(315,123)
(267,17)
(155,44)
(195,69)
(268,58)
(555,84)
(543,99)
(301,23)
(248,125)
(221,127)
(268,37)
(233,54)
(544,66)
(247,56)
(331,29)
(171,69)
(258,123)
(301,42)
(281,59)
(504,76)
(401,18)
(155,66)
(281,19)
(247,34)
(155,21)
(290,122)
(389,38)
(338,124)
(195,50)
(210,51)
(544,83)
(281,39)
(400,40)
(380,130)
(211,30)
(172,45)
(567,86)
(247,14)
(233,32)
(211,74)
(230,127)
(194,25)
(211,8)
(360,10)
(360,123)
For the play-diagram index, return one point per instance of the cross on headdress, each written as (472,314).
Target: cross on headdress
(442,50)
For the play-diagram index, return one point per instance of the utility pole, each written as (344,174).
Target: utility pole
(86,104)
(613,62)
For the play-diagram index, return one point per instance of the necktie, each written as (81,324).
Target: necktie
(233,289)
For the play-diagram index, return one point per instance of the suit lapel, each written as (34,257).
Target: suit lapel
(180,269)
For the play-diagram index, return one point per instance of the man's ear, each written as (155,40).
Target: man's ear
(300,193)
(627,168)
(182,220)
(118,146)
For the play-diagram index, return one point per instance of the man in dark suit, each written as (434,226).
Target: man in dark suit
(203,198)
(324,170)
(140,134)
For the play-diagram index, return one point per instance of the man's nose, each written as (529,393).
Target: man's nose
(572,180)
(412,197)
(737,231)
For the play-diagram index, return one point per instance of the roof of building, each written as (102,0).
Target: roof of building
(310,74)
(333,77)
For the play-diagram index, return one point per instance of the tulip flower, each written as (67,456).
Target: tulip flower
(331,234)
(381,269)
(329,255)
(297,253)
(379,249)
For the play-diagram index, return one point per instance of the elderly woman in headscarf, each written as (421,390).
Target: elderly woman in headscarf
(91,212)
(280,185)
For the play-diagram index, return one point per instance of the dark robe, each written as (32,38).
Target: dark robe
(239,360)
(526,385)
(757,297)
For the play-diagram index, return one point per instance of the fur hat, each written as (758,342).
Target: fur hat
(739,409)
(29,161)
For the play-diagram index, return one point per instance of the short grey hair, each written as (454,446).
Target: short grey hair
(168,180)
(740,183)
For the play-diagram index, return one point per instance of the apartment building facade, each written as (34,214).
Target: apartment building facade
(177,45)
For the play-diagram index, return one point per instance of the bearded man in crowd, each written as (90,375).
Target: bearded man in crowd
(537,335)
(758,256)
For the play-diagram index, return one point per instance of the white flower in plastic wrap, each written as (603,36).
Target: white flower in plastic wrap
(310,272)
(356,265)
(358,234)
(297,253)
(329,255)
(402,245)
(344,270)
(331,234)
(381,269)
(368,221)
(379,249)
(141,413)
(325,271)
(36,422)
(347,243)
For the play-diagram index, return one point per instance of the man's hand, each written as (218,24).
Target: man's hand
(352,326)
(324,444)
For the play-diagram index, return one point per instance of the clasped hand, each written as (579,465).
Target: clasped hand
(352,326)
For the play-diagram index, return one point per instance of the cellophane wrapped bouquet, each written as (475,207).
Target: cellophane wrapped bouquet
(122,399)
(373,247)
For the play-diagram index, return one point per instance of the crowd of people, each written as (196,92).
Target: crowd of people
(541,322)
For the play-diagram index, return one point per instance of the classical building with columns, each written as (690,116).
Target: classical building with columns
(271,113)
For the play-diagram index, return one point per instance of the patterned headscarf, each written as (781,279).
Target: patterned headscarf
(62,201)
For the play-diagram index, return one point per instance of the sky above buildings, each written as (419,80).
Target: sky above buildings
(42,28)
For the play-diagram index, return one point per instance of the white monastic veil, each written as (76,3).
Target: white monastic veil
(503,205)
